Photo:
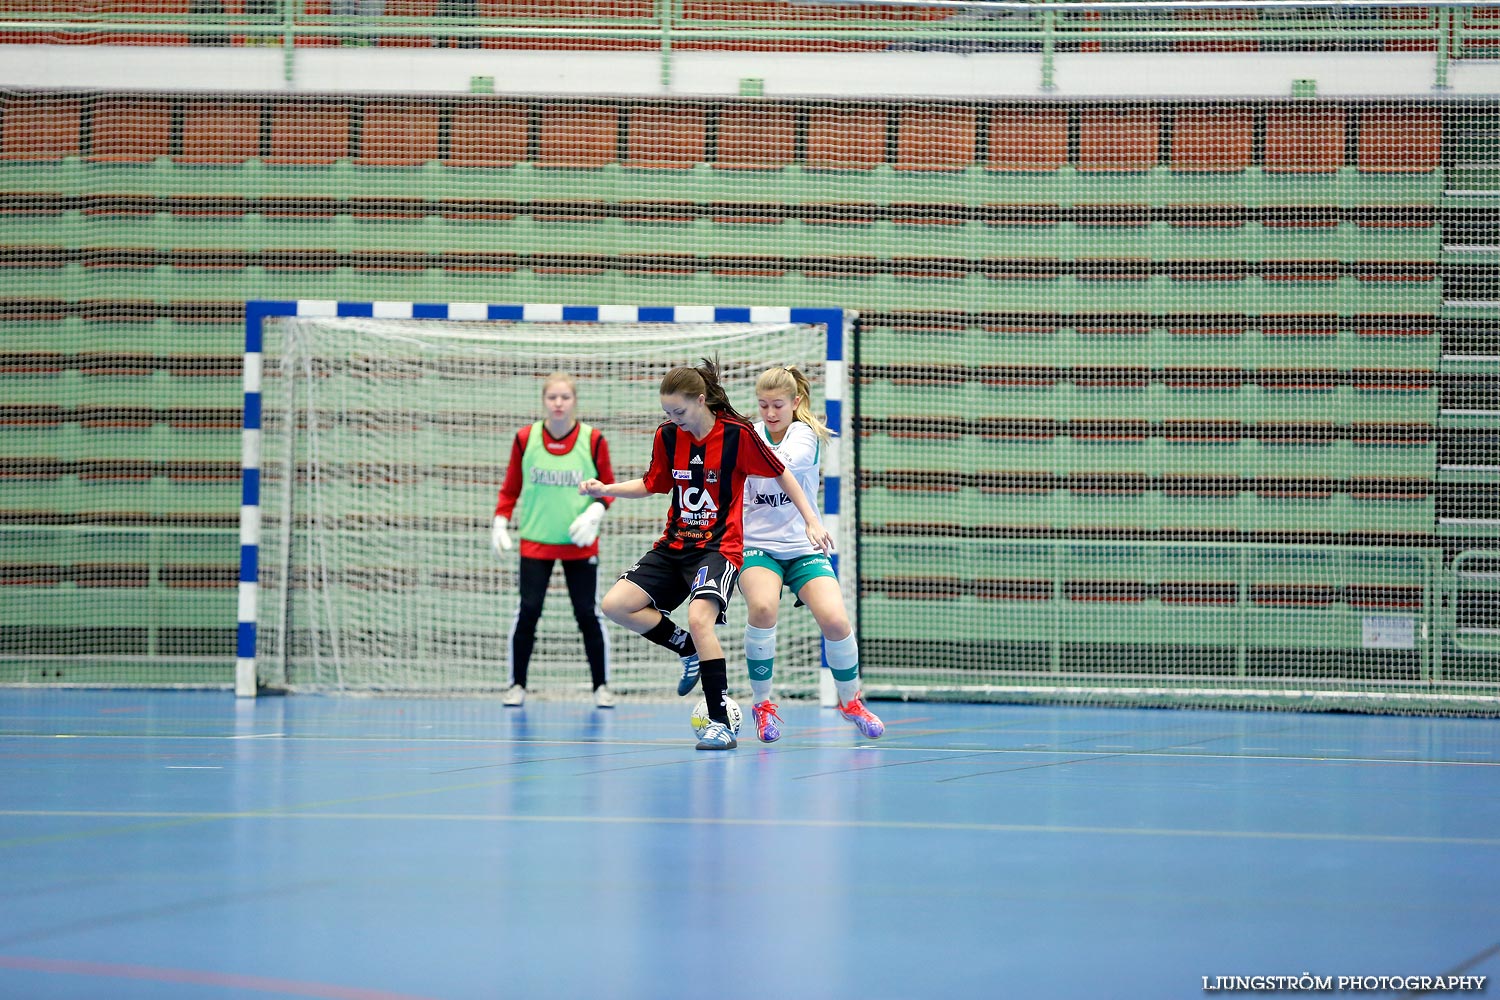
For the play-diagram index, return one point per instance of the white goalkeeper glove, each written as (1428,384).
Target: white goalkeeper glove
(585,527)
(499,537)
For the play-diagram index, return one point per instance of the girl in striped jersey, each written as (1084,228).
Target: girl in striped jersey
(701,456)
(776,554)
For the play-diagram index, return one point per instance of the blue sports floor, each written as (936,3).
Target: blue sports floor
(172,845)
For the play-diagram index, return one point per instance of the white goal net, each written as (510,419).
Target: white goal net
(385,443)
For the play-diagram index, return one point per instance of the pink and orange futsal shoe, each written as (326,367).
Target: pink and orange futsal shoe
(864,720)
(767,722)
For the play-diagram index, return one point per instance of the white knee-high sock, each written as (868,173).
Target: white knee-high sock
(843,660)
(760,659)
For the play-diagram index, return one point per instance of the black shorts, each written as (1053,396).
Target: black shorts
(670,577)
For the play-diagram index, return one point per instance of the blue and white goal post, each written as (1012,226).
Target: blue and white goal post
(262,317)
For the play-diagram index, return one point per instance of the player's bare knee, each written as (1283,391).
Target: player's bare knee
(703,616)
(618,605)
(761,614)
(836,627)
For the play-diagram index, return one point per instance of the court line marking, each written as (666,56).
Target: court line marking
(1177,751)
(895,763)
(170,820)
(758,823)
(167,820)
(198,977)
(887,747)
(1463,967)
(548,760)
(1185,755)
(757,748)
(95,921)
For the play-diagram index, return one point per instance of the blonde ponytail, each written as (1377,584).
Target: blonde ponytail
(790,382)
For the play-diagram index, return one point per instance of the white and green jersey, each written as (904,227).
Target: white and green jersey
(771,521)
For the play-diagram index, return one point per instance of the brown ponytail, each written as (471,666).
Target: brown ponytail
(701,381)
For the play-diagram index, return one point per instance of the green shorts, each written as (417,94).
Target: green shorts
(794,572)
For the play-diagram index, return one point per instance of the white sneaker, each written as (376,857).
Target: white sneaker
(603,697)
(717,737)
(514,695)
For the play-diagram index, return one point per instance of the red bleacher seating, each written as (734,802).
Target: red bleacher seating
(398,133)
(1399,140)
(220,131)
(131,129)
(1304,139)
(1118,139)
(666,136)
(486,134)
(756,137)
(1027,139)
(578,135)
(845,138)
(309,132)
(1213,140)
(936,138)
(40,127)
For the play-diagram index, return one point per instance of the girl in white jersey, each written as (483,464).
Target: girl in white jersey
(777,553)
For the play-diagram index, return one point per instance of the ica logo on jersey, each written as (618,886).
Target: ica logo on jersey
(697,506)
(695,498)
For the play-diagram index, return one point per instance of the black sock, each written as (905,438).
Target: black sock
(667,635)
(715,680)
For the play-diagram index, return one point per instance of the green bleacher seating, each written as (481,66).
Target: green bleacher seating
(1240,307)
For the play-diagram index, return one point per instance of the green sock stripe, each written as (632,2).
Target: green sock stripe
(760,670)
(845,675)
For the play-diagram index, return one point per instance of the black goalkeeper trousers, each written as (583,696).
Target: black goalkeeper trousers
(582,576)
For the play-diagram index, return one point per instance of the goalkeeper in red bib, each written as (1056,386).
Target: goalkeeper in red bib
(777,555)
(547,462)
(701,456)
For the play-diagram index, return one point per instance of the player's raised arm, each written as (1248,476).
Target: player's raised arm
(631,489)
(656,480)
(817,535)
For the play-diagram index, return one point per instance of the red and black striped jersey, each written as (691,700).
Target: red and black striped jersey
(706,479)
